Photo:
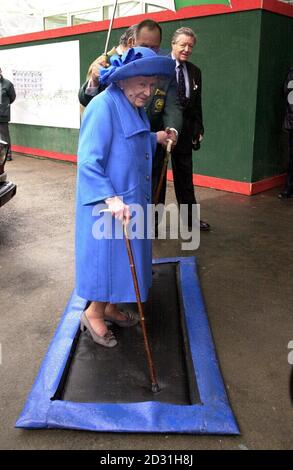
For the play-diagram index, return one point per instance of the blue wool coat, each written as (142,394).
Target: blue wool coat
(114,158)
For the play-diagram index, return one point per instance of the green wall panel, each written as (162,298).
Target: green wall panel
(54,139)
(270,149)
(243,57)
(227,53)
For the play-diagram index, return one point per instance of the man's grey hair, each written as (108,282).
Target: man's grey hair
(184,30)
(128,34)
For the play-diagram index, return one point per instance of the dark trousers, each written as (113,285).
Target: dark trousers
(289,178)
(158,162)
(182,172)
(4,135)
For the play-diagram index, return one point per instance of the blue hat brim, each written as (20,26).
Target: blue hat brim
(145,67)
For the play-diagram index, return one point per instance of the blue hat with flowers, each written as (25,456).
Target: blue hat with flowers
(137,61)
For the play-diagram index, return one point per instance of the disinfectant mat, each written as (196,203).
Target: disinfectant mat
(82,385)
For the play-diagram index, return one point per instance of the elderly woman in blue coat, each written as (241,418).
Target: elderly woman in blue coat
(114,171)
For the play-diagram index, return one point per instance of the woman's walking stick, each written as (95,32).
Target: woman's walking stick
(155,386)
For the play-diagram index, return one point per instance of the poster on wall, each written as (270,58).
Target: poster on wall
(46,81)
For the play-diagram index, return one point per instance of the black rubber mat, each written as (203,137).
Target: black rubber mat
(120,375)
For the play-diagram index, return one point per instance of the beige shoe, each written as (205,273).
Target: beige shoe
(130,319)
(108,340)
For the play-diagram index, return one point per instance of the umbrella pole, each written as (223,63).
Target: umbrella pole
(110,28)
(155,386)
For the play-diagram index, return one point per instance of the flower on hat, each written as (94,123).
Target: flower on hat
(126,58)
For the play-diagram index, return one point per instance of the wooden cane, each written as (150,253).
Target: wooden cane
(165,164)
(155,386)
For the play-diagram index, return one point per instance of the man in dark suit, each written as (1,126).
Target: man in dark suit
(189,93)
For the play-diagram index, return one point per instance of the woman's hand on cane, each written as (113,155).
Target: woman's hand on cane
(118,209)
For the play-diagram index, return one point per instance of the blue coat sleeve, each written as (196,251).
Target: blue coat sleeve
(94,147)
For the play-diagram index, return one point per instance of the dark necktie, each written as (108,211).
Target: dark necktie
(181,86)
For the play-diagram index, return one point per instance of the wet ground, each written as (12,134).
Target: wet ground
(245,269)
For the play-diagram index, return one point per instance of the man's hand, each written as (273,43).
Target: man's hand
(163,137)
(94,70)
(196,142)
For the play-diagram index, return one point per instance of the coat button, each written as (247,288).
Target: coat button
(147,197)
(147,156)
(147,177)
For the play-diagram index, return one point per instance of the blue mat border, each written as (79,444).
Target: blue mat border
(212,416)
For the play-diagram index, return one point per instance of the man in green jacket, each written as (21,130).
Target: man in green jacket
(163,108)
(7,96)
